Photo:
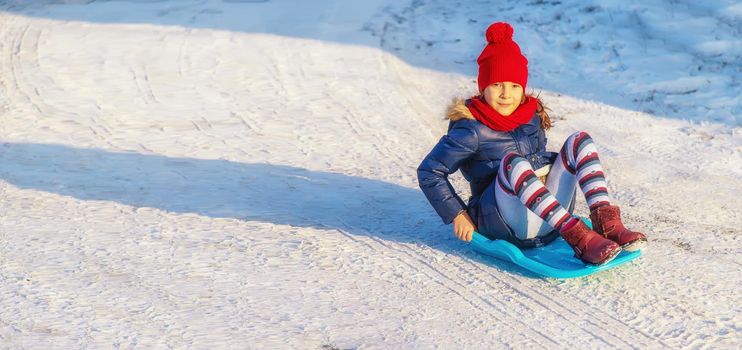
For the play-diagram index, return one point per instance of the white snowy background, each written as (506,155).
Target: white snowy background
(241,174)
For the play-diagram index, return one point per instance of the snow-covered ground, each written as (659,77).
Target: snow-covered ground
(241,174)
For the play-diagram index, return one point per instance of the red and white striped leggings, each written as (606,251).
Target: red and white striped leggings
(532,208)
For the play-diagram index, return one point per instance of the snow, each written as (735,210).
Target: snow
(625,47)
(241,174)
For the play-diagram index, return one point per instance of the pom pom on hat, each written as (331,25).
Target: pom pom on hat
(499,32)
(501,59)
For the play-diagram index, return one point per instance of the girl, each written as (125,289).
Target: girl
(520,192)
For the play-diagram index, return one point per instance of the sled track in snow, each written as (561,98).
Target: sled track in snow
(15,55)
(470,282)
(604,322)
(21,59)
(434,274)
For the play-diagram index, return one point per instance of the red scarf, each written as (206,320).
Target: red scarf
(482,111)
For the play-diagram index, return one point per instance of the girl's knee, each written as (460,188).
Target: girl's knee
(510,156)
(579,134)
(575,142)
(508,160)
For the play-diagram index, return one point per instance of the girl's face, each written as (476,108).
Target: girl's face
(504,97)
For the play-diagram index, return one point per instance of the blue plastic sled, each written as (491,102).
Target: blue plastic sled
(555,260)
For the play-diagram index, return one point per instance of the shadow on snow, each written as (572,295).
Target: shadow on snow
(278,194)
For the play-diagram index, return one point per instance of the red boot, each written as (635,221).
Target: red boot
(607,221)
(589,246)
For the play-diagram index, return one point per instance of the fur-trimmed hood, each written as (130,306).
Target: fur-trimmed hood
(458,110)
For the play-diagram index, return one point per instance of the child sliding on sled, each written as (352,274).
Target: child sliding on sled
(520,192)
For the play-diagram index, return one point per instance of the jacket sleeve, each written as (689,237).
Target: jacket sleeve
(458,145)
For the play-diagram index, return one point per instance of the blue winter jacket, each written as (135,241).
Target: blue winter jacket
(477,150)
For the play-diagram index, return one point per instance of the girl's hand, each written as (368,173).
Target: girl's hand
(463,226)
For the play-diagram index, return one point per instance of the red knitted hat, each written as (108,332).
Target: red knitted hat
(501,59)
